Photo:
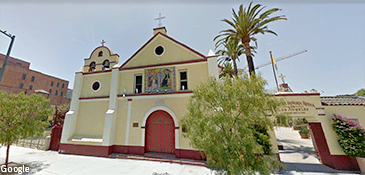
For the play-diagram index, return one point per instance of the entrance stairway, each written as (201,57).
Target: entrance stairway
(160,157)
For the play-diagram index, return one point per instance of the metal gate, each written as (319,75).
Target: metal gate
(55,138)
(160,133)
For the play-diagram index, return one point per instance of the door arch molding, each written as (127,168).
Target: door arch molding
(163,108)
(174,118)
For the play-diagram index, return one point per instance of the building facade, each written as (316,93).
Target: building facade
(18,77)
(136,107)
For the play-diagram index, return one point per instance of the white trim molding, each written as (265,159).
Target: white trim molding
(69,125)
(161,95)
(128,124)
(163,108)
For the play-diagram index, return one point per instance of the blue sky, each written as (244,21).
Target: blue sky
(56,37)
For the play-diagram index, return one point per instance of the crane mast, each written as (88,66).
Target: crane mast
(279,59)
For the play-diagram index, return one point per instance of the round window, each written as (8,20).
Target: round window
(95,86)
(159,50)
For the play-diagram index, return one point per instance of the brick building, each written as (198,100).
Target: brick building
(19,78)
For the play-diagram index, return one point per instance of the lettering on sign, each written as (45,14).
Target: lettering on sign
(295,107)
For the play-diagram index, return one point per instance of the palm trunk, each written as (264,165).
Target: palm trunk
(235,67)
(251,67)
(7,155)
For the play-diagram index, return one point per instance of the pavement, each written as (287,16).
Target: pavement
(298,156)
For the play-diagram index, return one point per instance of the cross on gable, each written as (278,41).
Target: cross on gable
(159,19)
(102,42)
(282,78)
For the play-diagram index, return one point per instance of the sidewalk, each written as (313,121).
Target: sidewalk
(50,162)
(298,156)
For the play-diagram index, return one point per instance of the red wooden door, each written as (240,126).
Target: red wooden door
(160,133)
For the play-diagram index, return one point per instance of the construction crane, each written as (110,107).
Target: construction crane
(278,59)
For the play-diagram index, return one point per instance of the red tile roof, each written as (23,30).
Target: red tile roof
(343,101)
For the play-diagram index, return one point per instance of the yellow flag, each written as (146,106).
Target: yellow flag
(273,61)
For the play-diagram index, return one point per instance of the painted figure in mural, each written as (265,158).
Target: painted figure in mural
(152,83)
(166,81)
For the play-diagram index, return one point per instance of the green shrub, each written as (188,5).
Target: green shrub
(304,131)
(352,135)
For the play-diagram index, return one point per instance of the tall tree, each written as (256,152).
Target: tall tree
(21,116)
(227,119)
(246,24)
(226,70)
(231,51)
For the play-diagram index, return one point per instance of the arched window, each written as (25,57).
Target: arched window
(92,66)
(100,54)
(106,65)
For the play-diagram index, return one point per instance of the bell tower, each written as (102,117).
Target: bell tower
(101,59)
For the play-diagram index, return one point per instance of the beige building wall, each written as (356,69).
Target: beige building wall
(120,128)
(139,108)
(197,72)
(127,81)
(103,78)
(91,118)
(173,52)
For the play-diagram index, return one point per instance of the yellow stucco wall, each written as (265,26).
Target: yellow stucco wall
(88,80)
(120,127)
(351,112)
(173,52)
(91,118)
(127,80)
(197,72)
(139,108)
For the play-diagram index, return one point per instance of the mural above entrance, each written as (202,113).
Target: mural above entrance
(160,79)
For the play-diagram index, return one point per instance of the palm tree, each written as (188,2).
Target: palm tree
(230,52)
(226,70)
(246,24)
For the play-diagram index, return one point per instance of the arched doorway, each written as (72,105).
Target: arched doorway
(160,133)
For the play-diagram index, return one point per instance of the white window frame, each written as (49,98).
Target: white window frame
(135,83)
(92,86)
(187,81)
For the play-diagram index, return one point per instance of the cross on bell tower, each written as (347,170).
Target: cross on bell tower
(102,42)
(159,19)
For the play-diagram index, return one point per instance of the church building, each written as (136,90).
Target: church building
(135,107)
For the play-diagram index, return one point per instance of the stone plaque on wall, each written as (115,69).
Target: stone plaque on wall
(160,102)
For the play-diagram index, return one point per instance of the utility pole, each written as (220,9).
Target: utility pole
(12,37)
